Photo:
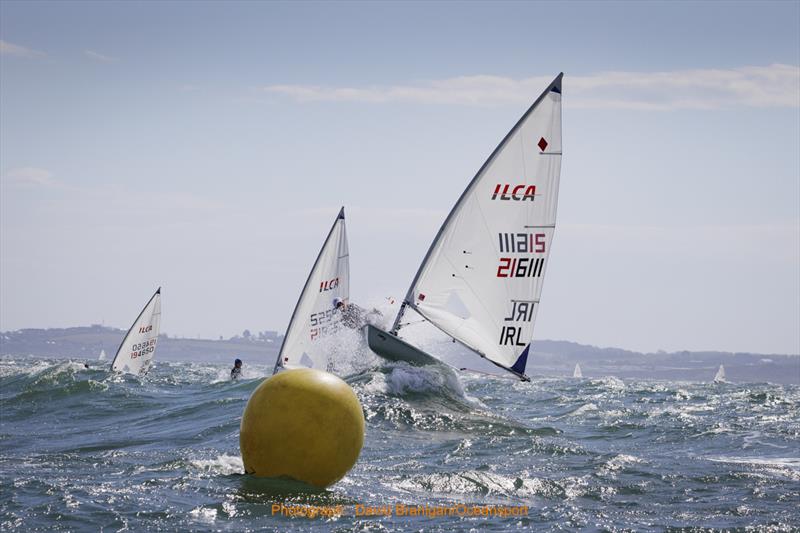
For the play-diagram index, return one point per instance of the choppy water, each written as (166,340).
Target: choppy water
(83,449)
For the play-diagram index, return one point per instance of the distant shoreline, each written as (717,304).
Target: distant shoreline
(87,342)
(550,358)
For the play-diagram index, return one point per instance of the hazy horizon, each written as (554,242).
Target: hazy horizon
(280,334)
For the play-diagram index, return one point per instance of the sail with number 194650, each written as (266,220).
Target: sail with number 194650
(136,351)
(481,280)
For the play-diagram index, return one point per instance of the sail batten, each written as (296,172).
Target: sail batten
(490,254)
(314,316)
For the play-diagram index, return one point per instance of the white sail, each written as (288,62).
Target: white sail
(139,345)
(577,372)
(314,316)
(482,277)
(720,376)
(102,356)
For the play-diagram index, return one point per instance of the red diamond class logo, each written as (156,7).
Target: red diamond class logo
(542,144)
(421,296)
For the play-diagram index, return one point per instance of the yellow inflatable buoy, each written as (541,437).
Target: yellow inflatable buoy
(303,424)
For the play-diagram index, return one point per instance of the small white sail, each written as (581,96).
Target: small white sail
(481,279)
(315,316)
(102,356)
(577,372)
(720,376)
(138,347)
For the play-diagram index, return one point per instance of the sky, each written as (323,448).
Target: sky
(206,148)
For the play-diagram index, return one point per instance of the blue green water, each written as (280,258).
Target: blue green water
(84,449)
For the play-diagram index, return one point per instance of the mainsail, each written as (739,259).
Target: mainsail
(315,316)
(102,356)
(481,279)
(139,345)
(720,376)
(577,372)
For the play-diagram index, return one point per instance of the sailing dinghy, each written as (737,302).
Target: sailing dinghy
(102,356)
(138,347)
(315,317)
(481,280)
(720,375)
(577,372)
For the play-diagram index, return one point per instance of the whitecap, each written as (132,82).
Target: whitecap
(583,409)
(204,514)
(617,463)
(223,465)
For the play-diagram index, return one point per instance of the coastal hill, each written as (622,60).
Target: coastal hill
(549,358)
(86,343)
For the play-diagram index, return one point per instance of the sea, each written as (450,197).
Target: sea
(84,449)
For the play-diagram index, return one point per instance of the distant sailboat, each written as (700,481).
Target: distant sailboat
(102,356)
(482,277)
(720,376)
(315,316)
(577,372)
(138,347)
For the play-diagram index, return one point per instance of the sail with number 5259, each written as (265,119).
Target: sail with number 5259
(315,316)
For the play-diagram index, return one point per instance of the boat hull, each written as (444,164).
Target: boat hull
(391,348)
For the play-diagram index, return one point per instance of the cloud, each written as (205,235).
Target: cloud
(29,176)
(9,49)
(91,54)
(775,85)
